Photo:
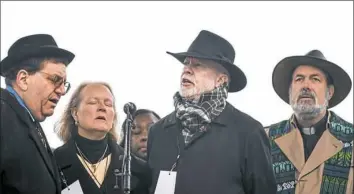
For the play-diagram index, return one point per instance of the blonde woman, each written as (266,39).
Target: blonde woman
(90,154)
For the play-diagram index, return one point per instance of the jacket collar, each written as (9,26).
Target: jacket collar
(12,91)
(294,123)
(11,100)
(117,155)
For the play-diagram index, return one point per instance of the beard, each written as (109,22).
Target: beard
(187,92)
(196,91)
(309,108)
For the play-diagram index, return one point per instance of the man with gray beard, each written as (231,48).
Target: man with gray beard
(207,146)
(312,151)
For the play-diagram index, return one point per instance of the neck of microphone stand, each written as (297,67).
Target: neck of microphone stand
(127,155)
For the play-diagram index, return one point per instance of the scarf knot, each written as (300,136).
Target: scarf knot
(195,115)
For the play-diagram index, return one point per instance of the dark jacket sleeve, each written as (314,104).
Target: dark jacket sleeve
(143,176)
(1,149)
(149,147)
(6,137)
(259,176)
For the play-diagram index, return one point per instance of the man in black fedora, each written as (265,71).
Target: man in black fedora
(35,77)
(312,151)
(206,146)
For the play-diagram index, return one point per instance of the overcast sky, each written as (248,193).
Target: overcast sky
(124,44)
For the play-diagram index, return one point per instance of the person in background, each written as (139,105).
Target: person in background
(90,154)
(207,146)
(35,77)
(312,151)
(143,119)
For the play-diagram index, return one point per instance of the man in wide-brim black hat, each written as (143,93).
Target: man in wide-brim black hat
(211,146)
(312,151)
(35,77)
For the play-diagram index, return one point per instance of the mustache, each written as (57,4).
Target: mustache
(306,93)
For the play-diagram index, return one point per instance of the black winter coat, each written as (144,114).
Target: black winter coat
(26,167)
(73,170)
(232,157)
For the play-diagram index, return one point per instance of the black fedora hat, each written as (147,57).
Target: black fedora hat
(37,45)
(208,45)
(284,69)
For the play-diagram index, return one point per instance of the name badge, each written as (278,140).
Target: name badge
(74,188)
(166,182)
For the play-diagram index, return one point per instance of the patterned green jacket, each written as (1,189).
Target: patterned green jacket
(328,170)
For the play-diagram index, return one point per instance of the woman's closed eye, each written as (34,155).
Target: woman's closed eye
(108,103)
(92,102)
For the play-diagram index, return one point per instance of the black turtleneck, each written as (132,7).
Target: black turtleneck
(310,141)
(92,149)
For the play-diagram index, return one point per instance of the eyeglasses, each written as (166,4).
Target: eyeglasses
(57,81)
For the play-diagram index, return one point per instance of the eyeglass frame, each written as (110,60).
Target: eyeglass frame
(57,84)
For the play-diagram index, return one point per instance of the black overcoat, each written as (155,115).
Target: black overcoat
(231,157)
(73,170)
(26,166)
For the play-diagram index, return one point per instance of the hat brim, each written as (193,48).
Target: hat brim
(10,62)
(283,72)
(238,80)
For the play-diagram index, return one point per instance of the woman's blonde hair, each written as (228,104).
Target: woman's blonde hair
(66,127)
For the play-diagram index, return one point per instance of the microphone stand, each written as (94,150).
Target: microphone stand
(127,154)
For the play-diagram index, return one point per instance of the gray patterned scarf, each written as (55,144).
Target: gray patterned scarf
(194,116)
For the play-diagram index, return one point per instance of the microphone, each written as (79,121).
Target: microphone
(129,108)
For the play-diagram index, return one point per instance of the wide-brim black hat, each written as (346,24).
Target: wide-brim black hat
(38,45)
(283,72)
(210,46)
